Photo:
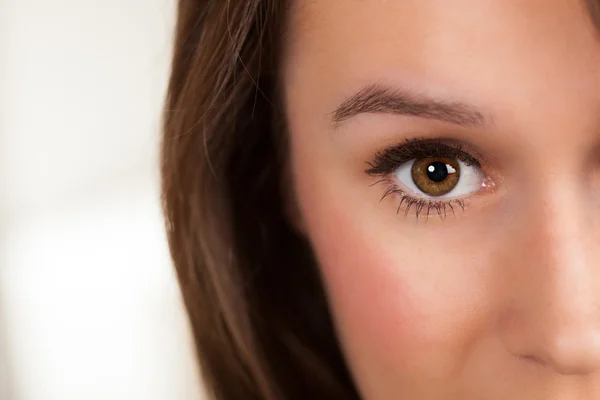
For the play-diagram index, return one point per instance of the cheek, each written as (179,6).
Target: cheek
(373,304)
(404,313)
(380,307)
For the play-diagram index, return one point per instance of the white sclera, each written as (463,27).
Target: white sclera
(471,180)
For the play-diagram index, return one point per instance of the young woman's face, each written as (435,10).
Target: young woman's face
(446,164)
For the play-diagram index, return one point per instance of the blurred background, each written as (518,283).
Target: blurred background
(89,305)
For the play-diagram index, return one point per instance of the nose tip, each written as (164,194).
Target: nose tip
(573,352)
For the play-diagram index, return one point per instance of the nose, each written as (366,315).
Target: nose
(552,315)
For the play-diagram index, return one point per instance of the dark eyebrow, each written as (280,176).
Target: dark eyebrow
(383,100)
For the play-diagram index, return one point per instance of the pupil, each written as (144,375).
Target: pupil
(437,171)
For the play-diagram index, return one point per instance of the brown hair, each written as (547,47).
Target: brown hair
(250,285)
(594,12)
(249,281)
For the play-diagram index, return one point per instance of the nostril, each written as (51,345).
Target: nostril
(533,360)
(565,348)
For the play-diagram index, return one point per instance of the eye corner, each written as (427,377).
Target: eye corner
(372,169)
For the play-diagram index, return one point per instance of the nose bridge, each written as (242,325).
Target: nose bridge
(553,316)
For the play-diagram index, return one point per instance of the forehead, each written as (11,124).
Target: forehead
(504,51)
(426,19)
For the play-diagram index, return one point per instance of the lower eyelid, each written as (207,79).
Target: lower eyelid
(422,207)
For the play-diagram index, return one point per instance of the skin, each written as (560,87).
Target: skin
(502,300)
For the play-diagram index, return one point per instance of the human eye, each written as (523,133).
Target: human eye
(429,176)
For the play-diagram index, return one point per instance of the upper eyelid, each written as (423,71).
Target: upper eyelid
(389,159)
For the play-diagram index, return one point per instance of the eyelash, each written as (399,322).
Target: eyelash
(388,160)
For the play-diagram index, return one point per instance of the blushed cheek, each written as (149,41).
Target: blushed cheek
(371,301)
(401,310)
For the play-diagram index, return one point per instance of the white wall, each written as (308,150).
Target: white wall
(89,307)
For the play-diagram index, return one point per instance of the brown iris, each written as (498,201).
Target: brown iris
(436,176)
